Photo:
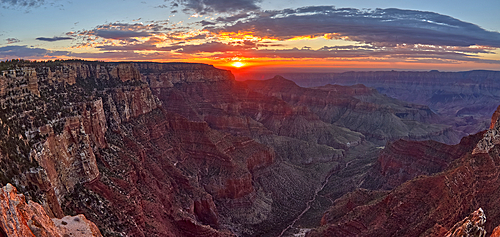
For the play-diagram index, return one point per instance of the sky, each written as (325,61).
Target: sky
(259,35)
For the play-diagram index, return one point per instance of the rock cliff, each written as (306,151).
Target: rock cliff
(404,160)
(428,205)
(54,124)
(23,219)
(471,226)
(306,147)
(208,158)
(491,137)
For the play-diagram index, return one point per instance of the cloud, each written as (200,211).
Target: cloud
(206,23)
(120,34)
(219,6)
(21,3)
(233,18)
(212,47)
(197,37)
(14,51)
(387,27)
(352,52)
(125,56)
(122,31)
(55,38)
(149,45)
(209,47)
(12,40)
(11,52)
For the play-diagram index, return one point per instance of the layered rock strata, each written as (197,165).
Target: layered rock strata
(361,109)
(96,140)
(148,149)
(427,205)
(466,99)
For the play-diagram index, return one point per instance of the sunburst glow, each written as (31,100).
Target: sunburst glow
(238,64)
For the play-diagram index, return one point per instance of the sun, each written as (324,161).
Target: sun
(238,64)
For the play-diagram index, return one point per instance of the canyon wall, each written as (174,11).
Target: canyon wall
(428,205)
(466,99)
(178,149)
(362,109)
(190,154)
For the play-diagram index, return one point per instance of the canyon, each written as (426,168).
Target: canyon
(427,205)
(465,99)
(182,149)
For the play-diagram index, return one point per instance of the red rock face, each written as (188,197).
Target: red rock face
(496,232)
(491,137)
(494,118)
(94,122)
(472,226)
(232,107)
(403,160)
(25,219)
(169,174)
(428,205)
(67,159)
(258,201)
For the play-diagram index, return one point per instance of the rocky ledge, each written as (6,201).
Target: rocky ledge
(24,219)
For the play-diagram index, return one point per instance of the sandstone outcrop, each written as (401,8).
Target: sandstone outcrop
(496,232)
(166,75)
(471,226)
(491,137)
(24,219)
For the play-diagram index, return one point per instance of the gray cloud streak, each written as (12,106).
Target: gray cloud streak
(220,6)
(14,51)
(55,38)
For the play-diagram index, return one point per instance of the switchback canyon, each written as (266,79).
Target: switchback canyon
(181,149)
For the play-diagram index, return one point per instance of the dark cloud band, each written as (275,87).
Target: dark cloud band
(53,39)
(381,26)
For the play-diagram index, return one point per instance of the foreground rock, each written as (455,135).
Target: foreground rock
(21,219)
(471,226)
